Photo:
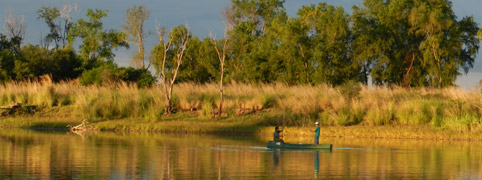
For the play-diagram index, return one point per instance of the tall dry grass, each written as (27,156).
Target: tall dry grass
(450,108)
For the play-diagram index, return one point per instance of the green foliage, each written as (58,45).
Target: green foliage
(7,59)
(421,112)
(176,37)
(35,61)
(268,101)
(380,116)
(409,43)
(202,64)
(348,117)
(109,73)
(50,14)
(97,43)
(413,43)
(209,103)
(350,89)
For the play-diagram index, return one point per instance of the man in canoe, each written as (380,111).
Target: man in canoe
(317,133)
(276,135)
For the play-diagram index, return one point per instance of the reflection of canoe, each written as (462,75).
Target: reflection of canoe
(274,144)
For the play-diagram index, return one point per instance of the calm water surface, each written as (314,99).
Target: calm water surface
(27,154)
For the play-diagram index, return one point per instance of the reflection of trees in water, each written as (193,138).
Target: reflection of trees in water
(137,156)
(167,162)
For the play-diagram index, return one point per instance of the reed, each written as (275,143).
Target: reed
(449,109)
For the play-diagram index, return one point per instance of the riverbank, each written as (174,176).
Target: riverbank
(350,110)
(251,125)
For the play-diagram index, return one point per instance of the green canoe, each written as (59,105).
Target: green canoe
(274,144)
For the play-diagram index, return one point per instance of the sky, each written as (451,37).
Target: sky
(202,16)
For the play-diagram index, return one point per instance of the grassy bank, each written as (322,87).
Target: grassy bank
(250,108)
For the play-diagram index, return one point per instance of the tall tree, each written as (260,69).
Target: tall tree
(58,29)
(327,36)
(15,28)
(7,59)
(251,48)
(135,18)
(201,64)
(97,43)
(50,14)
(168,57)
(221,52)
(414,42)
(293,50)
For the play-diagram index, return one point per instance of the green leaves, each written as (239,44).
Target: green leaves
(413,43)
(410,43)
(97,43)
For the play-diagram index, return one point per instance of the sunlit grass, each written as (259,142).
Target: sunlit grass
(449,109)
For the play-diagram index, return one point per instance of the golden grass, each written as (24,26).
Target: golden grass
(450,109)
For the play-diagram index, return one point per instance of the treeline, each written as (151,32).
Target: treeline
(410,43)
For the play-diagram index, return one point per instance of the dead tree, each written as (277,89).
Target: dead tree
(135,17)
(222,57)
(15,28)
(168,76)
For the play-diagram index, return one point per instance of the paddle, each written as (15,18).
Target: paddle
(283,125)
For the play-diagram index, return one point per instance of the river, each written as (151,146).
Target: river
(30,154)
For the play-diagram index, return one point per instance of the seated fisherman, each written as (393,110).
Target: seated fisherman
(276,135)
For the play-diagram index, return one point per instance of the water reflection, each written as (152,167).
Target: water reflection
(276,155)
(28,154)
(317,163)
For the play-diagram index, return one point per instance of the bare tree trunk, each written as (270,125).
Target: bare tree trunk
(221,89)
(406,78)
(222,58)
(140,47)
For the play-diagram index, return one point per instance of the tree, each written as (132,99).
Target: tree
(135,18)
(221,54)
(97,43)
(15,28)
(250,46)
(60,64)
(7,59)
(167,58)
(293,51)
(201,64)
(413,43)
(49,14)
(58,31)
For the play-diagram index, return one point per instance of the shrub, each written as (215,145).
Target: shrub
(348,117)
(110,73)
(380,116)
(350,89)
(268,101)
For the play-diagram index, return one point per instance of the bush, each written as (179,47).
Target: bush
(35,61)
(110,73)
(348,117)
(380,116)
(350,89)
(142,77)
(268,101)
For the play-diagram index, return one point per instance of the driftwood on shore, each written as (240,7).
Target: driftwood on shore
(80,127)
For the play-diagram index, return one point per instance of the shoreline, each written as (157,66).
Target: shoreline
(395,132)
